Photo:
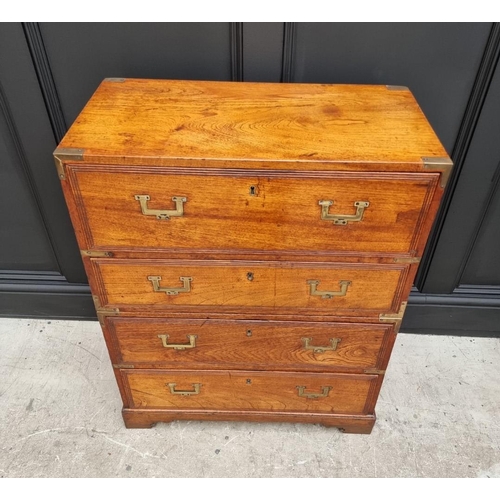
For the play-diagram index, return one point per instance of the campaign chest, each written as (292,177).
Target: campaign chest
(250,247)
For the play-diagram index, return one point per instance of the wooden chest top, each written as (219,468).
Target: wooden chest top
(223,124)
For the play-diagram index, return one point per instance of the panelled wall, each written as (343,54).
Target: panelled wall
(48,72)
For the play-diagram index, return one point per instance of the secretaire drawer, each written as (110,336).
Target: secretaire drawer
(251,211)
(202,344)
(273,391)
(235,286)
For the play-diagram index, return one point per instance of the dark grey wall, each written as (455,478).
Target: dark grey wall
(49,70)
(469,243)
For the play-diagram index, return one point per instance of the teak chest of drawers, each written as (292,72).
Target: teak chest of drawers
(250,247)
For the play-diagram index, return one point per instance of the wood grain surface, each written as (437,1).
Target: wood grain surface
(250,345)
(240,390)
(262,286)
(248,211)
(157,121)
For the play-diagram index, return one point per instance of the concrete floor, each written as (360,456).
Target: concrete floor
(438,416)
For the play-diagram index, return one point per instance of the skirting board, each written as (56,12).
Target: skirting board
(466,312)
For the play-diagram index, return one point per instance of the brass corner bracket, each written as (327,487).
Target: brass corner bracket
(395,318)
(102,312)
(95,253)
(62,155)
(407,260)
(444,164)
(374,371)
(396,87)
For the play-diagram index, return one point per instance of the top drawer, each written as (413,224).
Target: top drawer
(240,211)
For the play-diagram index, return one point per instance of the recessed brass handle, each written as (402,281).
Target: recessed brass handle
(171,291)
(342,220)
(178,347)
(173,390)
(313,395)
(316,348)
(162,214)
(313,290)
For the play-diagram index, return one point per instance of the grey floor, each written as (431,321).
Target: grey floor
(438,416)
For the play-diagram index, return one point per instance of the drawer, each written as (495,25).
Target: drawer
(245,211)
(250,345)
(269,391)
(231,286)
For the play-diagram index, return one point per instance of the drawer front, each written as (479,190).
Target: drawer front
(249,212)
(259,391)
(224,286)
(248,344)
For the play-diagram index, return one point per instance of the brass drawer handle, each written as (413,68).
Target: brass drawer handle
(196,390)
(313,290)
(342,220)
(313,395)
(171,291)
(162,214)
(315,348)
(178,347)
